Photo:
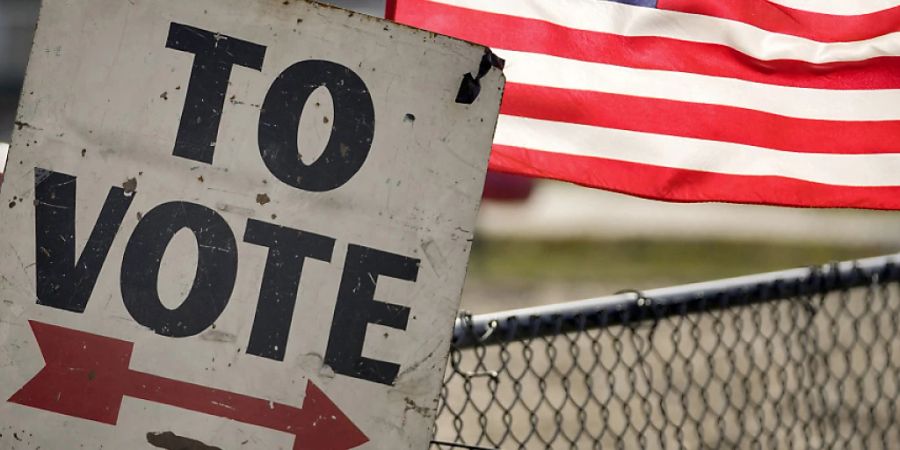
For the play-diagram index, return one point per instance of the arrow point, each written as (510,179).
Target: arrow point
(325,426)
(84,375)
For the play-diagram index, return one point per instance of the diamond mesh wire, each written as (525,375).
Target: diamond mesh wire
(813,362)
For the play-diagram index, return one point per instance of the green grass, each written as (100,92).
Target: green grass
(633,262)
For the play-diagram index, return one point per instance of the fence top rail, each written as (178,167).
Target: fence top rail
(472,330)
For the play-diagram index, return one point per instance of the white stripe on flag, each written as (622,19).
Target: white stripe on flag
(627,20)
(696,154)
(4,149)
(839,7)
(552,71)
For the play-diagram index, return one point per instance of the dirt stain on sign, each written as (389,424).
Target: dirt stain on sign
(171,441)
(218,336)
(130,186)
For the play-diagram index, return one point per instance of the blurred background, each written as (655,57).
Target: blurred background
(544,242)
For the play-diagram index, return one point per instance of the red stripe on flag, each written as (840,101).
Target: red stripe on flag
(701,121)
(782,19)
(680,185)
(656,53)
(390,9)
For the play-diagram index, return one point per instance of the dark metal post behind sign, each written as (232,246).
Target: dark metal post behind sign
(237,224)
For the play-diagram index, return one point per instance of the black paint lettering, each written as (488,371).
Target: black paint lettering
(356,308)
(63,282)
(352,129)
(213,281)
(288,248)
(214,56)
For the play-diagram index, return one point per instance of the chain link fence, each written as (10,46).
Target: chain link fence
(806,358)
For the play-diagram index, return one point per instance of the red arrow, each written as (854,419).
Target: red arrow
(87,375)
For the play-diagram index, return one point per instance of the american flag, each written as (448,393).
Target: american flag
(782,102)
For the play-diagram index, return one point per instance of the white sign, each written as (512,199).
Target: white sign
(237,225)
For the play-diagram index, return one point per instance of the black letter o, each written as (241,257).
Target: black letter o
(351,132)
(213,282)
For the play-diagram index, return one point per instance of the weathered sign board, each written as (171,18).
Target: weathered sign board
(235,224)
